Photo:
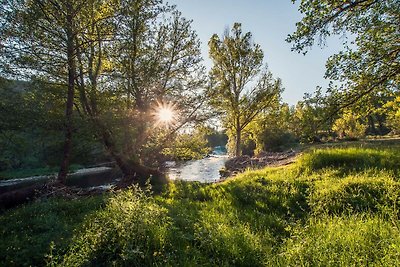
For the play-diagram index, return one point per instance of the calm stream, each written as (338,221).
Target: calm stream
(203,170)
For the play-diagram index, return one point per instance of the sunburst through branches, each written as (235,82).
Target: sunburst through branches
(165,114)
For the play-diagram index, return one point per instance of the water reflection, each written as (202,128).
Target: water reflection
(203,170)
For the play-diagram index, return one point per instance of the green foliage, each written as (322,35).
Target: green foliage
(147,46)
(312,117)
(31,129)
(272,130)
(393,111)
(369,61)
(187,147)
(320,117)
(215,138)
(311,213)
(237,61)
(349,126)
(131,229)
(27,232)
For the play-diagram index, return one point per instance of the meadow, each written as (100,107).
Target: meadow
(335,206)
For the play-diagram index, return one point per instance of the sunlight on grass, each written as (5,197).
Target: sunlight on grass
(337,209)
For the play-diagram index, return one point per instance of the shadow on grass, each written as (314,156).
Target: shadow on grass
(27,232)
(350,160)
(245,221)
(270,205)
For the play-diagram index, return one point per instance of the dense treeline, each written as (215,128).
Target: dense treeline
(31,128)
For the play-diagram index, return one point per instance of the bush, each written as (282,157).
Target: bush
(131,230)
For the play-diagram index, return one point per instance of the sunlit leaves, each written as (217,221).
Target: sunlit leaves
(370,61)
(240,87)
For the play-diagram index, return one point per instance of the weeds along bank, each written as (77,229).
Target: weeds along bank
(333,207)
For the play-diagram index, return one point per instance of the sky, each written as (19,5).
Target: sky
(270,22)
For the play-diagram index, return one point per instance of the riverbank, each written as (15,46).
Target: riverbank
(332,207)
(88,181)
(237,165)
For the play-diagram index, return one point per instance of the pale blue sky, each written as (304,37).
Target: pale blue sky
(270,21)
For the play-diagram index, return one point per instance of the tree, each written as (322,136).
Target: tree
(392,109)
(370,62)
(150,58)
(313,116)
(31,127)
(237,63)
(349,126)
(271,130)
(124,58)
(188,146)
(371,109)
(39,39)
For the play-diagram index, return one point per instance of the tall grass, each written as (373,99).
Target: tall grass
(334,207)
(358,240)
(27,232)
(351,159)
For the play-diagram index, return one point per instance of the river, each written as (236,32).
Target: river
(203,170)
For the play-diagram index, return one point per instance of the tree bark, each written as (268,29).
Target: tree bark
(62,174)
(133,171)
(371,123)
(238,150)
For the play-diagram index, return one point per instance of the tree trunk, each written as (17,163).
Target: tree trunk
(133,171)
(381,124)
(62,174)
(371,123)
(238,142)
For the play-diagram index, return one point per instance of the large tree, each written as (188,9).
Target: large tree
(370,60)
(38,38)
(241,88)
(149,60)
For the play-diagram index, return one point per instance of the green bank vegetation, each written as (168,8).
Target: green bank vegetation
(333,207)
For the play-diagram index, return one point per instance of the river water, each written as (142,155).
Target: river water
(203,170)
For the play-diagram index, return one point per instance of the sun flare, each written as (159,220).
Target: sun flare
(165,114)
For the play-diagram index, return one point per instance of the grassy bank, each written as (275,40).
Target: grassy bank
(333,207)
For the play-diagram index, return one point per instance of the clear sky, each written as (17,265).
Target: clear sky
(270,21)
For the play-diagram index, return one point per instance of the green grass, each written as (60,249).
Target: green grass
(333,207)
(27,232)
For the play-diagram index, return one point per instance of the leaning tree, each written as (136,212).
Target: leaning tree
(148,60)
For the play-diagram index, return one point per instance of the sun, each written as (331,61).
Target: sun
(165,114)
